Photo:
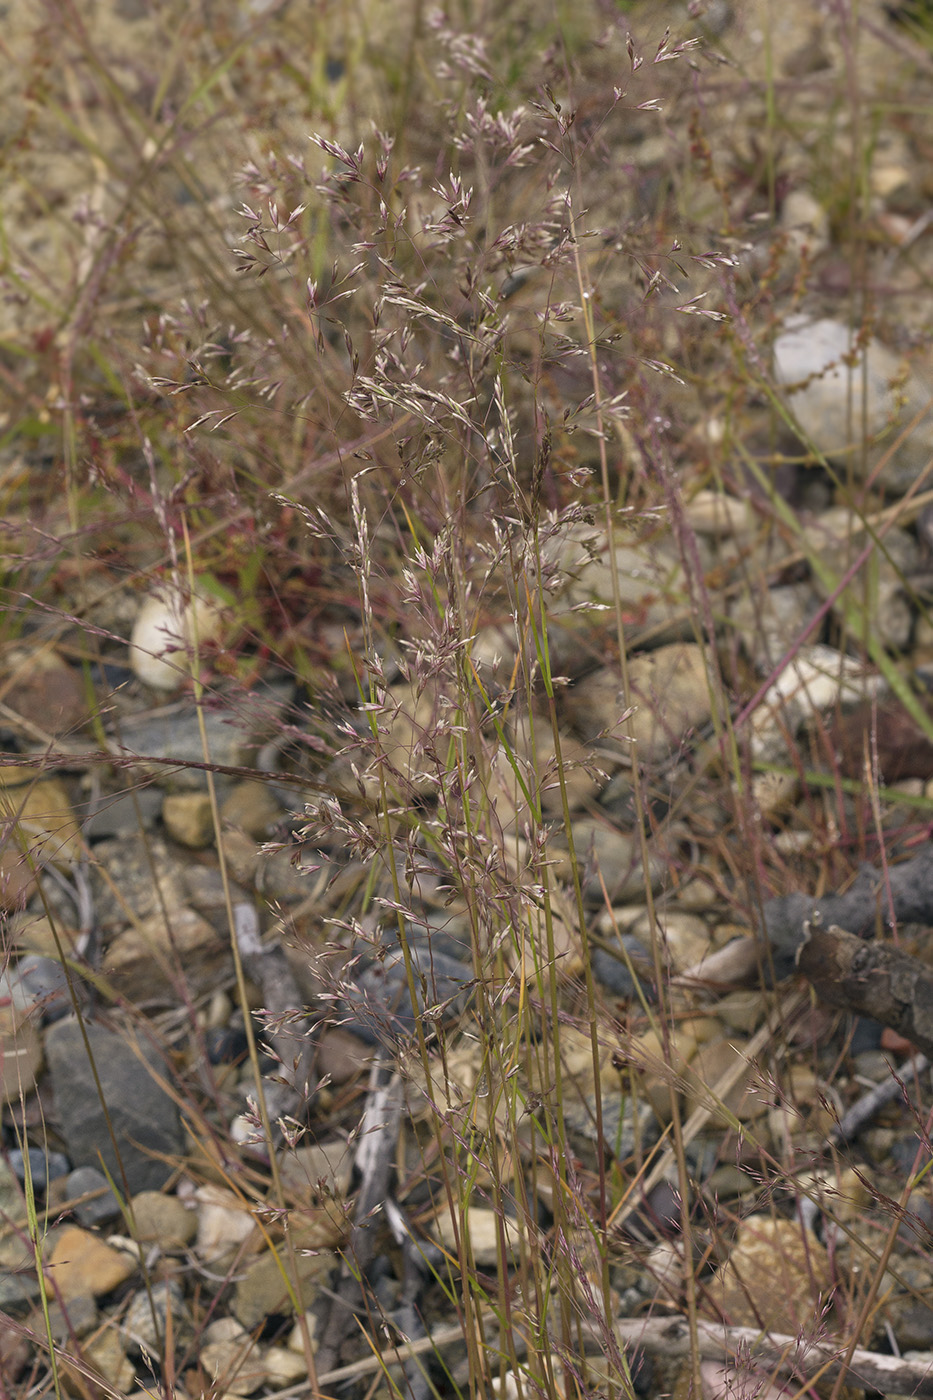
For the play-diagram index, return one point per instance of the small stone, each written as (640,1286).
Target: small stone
(721,516)
(224,1223)
(104,1355)
(284,1367)
(20,1054)
(12,1204)
(777,1276)
(223,1329)
(37,983)
(252,807)
(141,1114)
(95,1200)
(43,1166)
(806,222)
(123,814)
(44,819)
(140,1333)
(851,402)
(169,630)
(17,1290)
(671,687)
(262,1291)
(236,1366)
(143,960)
(318,1169)
(709,1066)
(612,968)
(743,1011)
(818,678)
(45,690)
(296,1337)
(487,1232)
(17,879)
(610,861)
(685,938)
(77,1317)
(343,1056)
(82,1263)
(163,1220)
(188,819)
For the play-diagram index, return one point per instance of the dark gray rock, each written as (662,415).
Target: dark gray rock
(144,1119)
(43,1166)
(380,1001)
(612,970)
(18,1292)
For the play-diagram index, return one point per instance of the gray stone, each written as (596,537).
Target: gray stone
(144,1118)
(613,972)
(74,1317)
(17,1291)
(379,999)
(852,403)
(123,814)
(43,1166)
(144,1327)
(102,1205)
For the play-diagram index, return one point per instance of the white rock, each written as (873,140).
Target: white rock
(806,221)
(685,937)
(816,679)
(235,1366)
(223,1222)
(284,1367)
(483,1230)
(851,405)
(167,627)
(718,515)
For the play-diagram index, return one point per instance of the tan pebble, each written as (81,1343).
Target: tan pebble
(44,821)
(82,1263)
(671,688)
(262,1289)
(716,514)
(723,1070)
(743,1011)
(163,1219)
(342,1055)
(224,1329)
(777,1275)
(252,807)
(188,819)
(142,959)
(318,1169)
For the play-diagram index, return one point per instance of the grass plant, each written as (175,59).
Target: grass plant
(386,333)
